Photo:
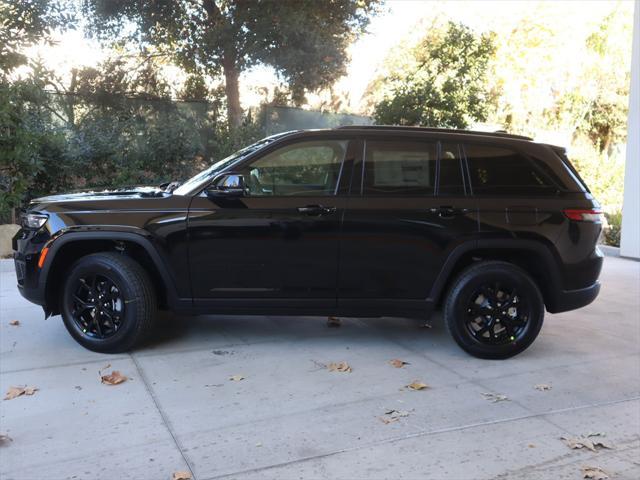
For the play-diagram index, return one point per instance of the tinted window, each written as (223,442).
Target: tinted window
(450,182)
(496,170)
(306,168)
(399,168)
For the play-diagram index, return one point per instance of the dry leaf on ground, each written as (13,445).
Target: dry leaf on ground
(342,367)
(14,323)
(592,441)
(398,363)
(4,439)
(236,378)
(393,415)
(181,476)
(114,378)
(531,445)
(542,387)
(417,385)
(333,322)
(15,392)
(594,473)
(495,397)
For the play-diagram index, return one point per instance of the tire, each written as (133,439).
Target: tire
(128,302)
(494,310)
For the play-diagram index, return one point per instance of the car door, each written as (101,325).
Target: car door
(409,211)
(277,244)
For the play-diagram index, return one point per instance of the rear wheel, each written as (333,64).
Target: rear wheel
(494,310)
(108,302)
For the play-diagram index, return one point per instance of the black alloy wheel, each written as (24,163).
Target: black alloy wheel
(497,314)
(98,306)
(108,302)
(494,309)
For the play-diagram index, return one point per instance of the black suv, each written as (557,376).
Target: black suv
(354,221)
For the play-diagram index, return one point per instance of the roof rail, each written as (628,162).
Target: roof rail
(499,133)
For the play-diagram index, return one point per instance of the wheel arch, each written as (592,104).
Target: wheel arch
(67,247)
(536,258)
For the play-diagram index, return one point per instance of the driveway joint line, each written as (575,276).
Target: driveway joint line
(422,434)
(163,416)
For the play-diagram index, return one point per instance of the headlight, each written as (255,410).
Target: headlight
(34,220)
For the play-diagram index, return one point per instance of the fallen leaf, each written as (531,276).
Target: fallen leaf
(590,442)
(14,323)
(333,322)
(594,473)
(426,325)
(342,367)
(78,387)
(181,476)
(398,363)
(4,439)
(417,385)
(393,415)
(495,397)
(114,378)
(15,392)
(531,445)
(236,378)
(542,387)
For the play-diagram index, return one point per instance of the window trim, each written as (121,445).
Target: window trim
(267,150)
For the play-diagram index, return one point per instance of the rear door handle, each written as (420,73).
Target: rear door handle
(316,210)
(447,211)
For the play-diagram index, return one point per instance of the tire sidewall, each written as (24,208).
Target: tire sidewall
(96,265)
(461,294)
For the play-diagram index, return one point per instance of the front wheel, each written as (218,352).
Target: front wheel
(494,310)
(108,302)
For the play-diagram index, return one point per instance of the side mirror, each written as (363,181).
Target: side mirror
(228,185)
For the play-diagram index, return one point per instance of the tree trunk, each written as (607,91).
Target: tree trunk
(232,89)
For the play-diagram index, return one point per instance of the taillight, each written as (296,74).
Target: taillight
(583,215)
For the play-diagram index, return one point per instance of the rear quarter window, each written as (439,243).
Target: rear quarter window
(502,171)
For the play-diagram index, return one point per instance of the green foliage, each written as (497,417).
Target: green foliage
(614,228)
(305,41)
(446,85)
(25,22)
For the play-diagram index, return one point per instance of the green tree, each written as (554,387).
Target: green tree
(305,41)
(444,84)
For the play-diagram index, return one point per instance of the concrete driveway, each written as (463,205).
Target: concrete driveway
(291,418)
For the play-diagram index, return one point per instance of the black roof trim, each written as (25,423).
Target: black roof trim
(500,134)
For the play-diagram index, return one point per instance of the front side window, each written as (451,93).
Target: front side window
(399,168)
(308,168)
(502,171)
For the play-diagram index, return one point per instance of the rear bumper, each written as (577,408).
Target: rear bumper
(572,299)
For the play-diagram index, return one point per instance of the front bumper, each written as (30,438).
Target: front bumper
(573,299)
(27,275)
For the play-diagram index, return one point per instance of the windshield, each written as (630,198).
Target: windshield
(194,182)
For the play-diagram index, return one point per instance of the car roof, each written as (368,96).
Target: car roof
(400,128)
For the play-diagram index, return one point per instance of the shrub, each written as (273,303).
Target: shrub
(613,228)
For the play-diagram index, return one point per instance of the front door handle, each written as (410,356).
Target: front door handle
(316,210)
(447,211)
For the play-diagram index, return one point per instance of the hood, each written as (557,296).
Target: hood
(120,193)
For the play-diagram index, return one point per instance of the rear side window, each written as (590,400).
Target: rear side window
(399,168)
(502,171)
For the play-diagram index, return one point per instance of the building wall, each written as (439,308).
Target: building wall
(630,242)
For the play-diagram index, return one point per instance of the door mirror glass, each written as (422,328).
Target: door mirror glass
(229,185)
